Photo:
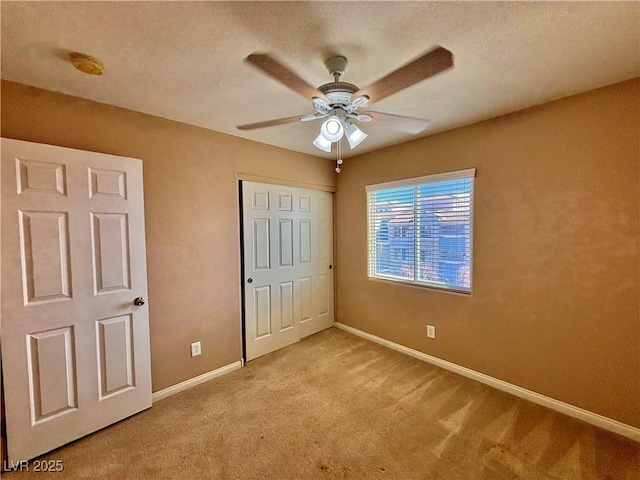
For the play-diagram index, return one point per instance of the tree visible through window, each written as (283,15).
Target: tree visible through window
(420,230)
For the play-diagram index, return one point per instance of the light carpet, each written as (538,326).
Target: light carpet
(336,406)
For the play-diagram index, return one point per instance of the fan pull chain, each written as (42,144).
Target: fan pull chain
(338,156)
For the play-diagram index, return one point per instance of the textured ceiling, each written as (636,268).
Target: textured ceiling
(184,60)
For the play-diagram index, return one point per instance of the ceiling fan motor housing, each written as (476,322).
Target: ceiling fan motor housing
(338,92)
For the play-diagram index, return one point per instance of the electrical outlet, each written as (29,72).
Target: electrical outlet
(195,349)
(431,331)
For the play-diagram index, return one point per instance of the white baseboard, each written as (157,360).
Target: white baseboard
(586,416)
(192,382)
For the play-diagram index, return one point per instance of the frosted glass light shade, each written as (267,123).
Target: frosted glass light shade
(332,129)
(355,136)
(322,143)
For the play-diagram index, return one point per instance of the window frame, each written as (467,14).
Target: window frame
(469,174)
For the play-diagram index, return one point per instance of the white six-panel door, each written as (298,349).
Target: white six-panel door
(75,348)
(288,260)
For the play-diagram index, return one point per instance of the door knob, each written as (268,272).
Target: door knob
(138,302)
(249,280)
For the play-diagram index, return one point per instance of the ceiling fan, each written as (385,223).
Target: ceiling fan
(341,102)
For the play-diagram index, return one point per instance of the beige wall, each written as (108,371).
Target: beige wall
(191,206)
(555,305)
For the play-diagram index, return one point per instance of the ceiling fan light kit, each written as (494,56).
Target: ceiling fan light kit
(339,101)
(354,135)
(322,143)
(332,129)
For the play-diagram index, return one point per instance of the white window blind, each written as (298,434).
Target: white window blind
(420,230)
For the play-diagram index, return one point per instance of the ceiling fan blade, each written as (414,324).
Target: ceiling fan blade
(399,122)
(269,123)
(427,65)
(284,75)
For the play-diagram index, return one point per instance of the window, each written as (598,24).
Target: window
(420,230)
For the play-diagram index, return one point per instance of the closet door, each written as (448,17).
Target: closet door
(288,256)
